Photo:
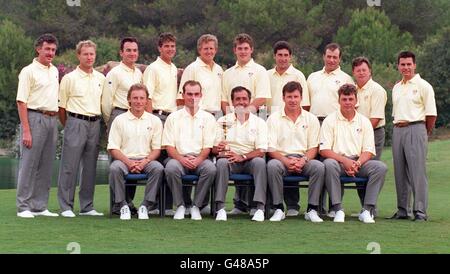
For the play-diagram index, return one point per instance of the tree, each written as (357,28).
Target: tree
(370,33)
(17,51)
(433,62)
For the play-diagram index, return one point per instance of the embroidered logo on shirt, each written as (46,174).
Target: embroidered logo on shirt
(337,82)
(250,74)
(359,130)
(415,91)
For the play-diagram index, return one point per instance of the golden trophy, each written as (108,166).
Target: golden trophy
(225,126)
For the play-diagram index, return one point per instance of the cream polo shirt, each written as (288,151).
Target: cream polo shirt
(242,138)
(38,86)
(161,81)
(323,90)
(81,92)
(135,137)
(293,137)
(277,83)
(118,82)
(372,98)
(189,134)
(210,79)
(413,100)
(347,138)
(251,76)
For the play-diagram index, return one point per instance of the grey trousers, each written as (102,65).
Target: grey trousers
(36,163)
(114,113)
(314,169)
(374,170)
(118,170)
(379,142)
(174,170)
(409,150)
(80,146)
(255,167)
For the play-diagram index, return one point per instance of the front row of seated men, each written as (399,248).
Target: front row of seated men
(291,137)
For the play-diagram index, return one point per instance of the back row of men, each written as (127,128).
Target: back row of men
(347,137)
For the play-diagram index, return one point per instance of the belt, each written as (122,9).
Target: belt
(161,112)
(122,109)
(378,128)
(45,112)
(406,123)
(84,117)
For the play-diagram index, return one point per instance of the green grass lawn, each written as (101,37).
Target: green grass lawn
(239,234)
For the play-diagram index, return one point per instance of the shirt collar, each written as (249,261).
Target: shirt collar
(36,62)
(159,60)
(82,73)
(413,80)
(342,118)
(126,68)
(283,114)
(131,116)
(250,63)
(186,113)
(366,86)
(203,64)
(334,72)
(290,70)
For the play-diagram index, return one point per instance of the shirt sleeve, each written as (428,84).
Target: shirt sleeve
(210,126)
(313,133)
(149,80)
(429,100)
(168,132)
(157,134)
(108,92)
(261,137)
(64,89)
(272,134)
(326,135)
(24,86)
(115,137)
(262,85)
(368,137)
(378,103)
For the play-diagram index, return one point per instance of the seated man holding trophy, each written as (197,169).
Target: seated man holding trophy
(240,145)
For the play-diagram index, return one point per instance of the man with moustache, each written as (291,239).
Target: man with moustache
(37,105)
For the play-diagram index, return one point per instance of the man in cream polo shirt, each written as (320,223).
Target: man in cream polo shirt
(188,138)
(293,145)
(324,84)
(118,82)
(347,143)
(283,73)
(37,105)
(245,73)
(414,112)
(120,79)
(160,77)
(207,73)
(372,98)
(135,144)
(79,112)
(248,74)
(246,140)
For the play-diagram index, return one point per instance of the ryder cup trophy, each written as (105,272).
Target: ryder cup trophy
(225,126)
